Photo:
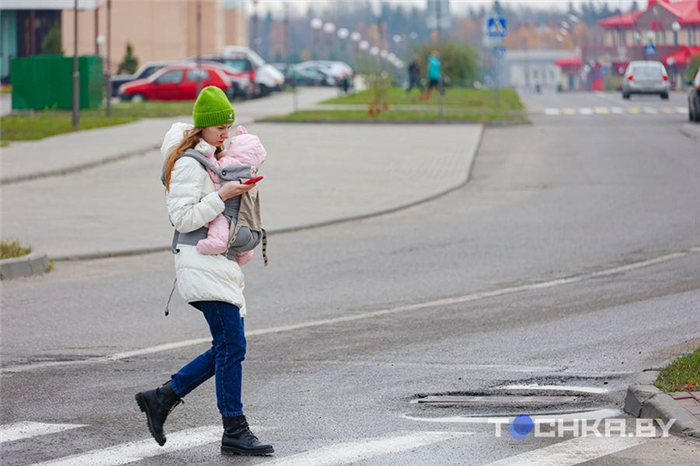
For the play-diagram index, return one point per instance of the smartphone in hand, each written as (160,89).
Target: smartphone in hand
(254,180)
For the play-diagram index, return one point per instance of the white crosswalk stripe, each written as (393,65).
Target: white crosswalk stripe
(571,452)
(337,454)
(353,452)
(141,449)
(607,111)
(25,430)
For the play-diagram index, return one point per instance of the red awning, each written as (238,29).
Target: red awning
(572,63)
(681,57)
(626,20)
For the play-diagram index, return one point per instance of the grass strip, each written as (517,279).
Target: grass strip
(12,249)
(683,374)
(28,126)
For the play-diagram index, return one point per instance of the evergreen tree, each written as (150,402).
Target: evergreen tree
(51,43)
(130,63)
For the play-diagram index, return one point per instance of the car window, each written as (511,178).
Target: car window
(147,71)
(174,76)
(193,74)
(647,72)
(239,65)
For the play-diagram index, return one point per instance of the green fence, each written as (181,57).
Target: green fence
(46,81)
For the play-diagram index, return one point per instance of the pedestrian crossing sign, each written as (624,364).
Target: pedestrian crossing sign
(496,26)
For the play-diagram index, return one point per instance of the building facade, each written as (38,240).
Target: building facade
(158,30)
(668,31)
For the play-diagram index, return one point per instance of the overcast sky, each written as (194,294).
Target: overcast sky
(455,5)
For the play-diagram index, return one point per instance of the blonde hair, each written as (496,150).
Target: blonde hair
(191,139)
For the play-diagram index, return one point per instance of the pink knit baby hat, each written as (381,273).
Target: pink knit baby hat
(246,148)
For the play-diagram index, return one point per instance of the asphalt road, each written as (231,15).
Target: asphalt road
(571,258)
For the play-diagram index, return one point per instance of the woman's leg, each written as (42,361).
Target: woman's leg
(229,348)
(197,371)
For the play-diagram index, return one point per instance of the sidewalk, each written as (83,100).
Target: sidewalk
(68,152)
(315,174)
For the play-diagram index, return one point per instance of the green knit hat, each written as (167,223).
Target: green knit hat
(212,108)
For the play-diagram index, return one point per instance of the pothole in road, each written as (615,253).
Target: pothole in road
(515,399)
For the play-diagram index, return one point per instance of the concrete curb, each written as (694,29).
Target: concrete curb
(278,231)
(78,168)
(36,263)
(691,130)
(388,122)
(644,400)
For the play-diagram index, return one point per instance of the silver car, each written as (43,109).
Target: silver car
(645,77)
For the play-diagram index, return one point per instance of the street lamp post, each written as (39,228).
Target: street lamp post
(316,25)
(199,46)
(439,38)
(676,29)
(76,70)
(295,96)
(108,77)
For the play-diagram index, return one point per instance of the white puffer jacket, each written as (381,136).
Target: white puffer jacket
(193,202)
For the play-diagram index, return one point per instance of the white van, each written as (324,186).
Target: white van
(267,78)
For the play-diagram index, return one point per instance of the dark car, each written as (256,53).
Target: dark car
(694,99)
(301,77)
(142,73)
(176,82)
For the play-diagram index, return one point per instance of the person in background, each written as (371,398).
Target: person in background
(434,73)
(414,75)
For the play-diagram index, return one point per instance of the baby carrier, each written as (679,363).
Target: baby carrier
(242,213)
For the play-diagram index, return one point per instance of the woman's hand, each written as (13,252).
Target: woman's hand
(233,189)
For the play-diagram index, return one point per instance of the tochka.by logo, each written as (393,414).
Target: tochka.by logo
(523,425)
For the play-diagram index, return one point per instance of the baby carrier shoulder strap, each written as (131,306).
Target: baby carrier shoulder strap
(224,174)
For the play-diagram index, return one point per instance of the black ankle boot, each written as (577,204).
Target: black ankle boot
(239,440)
(157,404)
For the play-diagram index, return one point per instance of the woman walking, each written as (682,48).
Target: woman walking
(213,284)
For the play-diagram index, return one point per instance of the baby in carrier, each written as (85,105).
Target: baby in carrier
(244,150)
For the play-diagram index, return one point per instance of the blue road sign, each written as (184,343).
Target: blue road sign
(496,26)
(499,52)
(649,50)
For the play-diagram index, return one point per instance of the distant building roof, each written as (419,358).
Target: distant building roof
(687,12)
(626,20)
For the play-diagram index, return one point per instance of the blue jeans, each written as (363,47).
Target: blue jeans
(223,360)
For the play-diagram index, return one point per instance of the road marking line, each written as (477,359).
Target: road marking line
(135,451)
(353,452)
(365,315)
(634,110)
(562,388)
(650,110)
(552,111)
(585,111)
(568,111)
(682,110)
(667,110)
(546,418)
(571,452)
(23,430)
(617,110)
(601,110)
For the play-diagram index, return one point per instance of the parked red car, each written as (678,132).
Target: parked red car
(176,82)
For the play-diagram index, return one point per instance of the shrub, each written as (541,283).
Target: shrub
(130,63)
(459,62)
(11,249)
